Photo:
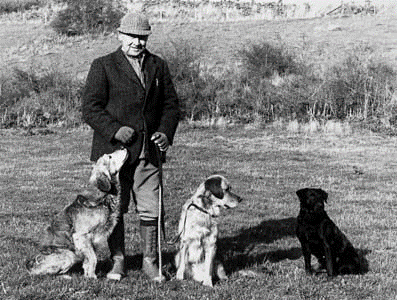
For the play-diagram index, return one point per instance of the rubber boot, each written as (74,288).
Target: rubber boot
(149,237)
(117,251)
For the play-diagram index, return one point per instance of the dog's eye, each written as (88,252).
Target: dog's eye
(110,157)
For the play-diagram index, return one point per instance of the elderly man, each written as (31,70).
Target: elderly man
(130,100)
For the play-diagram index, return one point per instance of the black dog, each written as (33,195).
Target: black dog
(322,238)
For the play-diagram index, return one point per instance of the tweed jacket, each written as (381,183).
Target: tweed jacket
(114,97)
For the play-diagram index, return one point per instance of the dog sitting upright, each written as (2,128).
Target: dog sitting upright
(198,230)
(319,236)
(84,224)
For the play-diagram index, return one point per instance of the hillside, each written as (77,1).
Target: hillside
(322,41)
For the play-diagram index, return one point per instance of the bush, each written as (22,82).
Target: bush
(360,87)
(87,16)
(277,82)
(196,90)
(33,99)
(281,87)
(264,60)
(248,96)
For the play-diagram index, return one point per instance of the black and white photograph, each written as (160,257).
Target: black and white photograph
(198,149)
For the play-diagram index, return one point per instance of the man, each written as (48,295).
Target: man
(130,100)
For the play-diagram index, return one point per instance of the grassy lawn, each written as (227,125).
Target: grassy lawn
(40,174)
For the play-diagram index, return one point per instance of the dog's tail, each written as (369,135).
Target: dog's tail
(58,262)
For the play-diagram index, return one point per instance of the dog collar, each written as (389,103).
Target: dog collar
(178,237)
(200,209)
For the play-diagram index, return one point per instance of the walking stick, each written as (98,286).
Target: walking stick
(160,225)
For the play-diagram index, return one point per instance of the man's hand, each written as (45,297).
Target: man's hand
(125,134)
(161,140)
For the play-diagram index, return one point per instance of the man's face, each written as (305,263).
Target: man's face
(132,44)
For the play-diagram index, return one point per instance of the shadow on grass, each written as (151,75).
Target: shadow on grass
(239,251)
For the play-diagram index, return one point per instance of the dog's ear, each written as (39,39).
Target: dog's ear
(214,185)
(102,182)
(324,195)
(100,176)
(206,199)
(81,199)
(302,195)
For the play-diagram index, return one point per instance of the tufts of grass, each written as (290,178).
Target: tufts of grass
(10,6)
(329,127)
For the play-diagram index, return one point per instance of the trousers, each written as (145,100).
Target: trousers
(141,182)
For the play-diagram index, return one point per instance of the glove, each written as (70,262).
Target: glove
(125,134)
(161,140)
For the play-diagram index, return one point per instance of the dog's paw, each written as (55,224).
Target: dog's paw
(208,282)
(331,274)
(248,273)
(318,268)
(221,273)
(309,272)
(114,276)
(159,279)
(90,275)
(180,275)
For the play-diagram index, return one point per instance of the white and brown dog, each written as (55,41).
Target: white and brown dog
(84,224)
(198,231)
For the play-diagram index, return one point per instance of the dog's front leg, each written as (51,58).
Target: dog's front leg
(84,246)
(329,259)
(210,251)
(327,234)
(307,256)
(220,270)
(181,261)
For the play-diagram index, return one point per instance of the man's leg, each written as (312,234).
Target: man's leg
(117,251)
(146,190)
(149,231)
(116,240)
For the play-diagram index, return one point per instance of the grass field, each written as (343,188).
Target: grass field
(42,173)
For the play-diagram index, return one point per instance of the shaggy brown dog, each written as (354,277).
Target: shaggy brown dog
(319,236)
(198,230)
(84,224)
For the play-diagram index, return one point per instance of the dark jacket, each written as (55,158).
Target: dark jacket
(114,97)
